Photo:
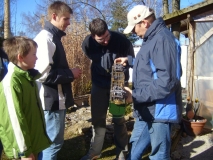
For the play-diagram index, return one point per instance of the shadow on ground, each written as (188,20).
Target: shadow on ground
(76,146)
(206,155)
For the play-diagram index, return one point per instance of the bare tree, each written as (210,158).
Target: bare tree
(175,7)
(7,32)
(165,7)
(114,12)
(86,10)
(1,19)
(176,27)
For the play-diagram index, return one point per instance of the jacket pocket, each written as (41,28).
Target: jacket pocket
(166,110)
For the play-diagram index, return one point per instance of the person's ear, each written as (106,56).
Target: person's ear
(54,16)
(146,23)
(20,57)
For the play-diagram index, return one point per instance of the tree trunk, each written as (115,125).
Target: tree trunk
(176,26)
(7,32)
(165,7)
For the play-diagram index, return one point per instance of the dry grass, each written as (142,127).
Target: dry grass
(76,58)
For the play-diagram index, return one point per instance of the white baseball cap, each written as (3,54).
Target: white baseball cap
(135,15)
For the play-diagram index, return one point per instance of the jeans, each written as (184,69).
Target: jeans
(99,106)
(55,124)
(1,149)
(155,134)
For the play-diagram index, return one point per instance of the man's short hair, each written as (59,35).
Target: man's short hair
(58,8)
(98,27)
(18,45)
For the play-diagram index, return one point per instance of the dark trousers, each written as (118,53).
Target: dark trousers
(99,107)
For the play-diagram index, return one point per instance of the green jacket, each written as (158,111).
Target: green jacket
(22,125)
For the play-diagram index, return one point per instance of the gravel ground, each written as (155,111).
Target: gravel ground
(194,148)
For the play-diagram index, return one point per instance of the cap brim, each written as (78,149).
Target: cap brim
(128,29)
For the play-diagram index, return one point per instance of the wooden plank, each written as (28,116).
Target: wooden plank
(208,103)
(202,78)
(190,60)
(204,38)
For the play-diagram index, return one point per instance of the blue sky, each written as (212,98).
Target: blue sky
(18,8)
(28,6)
(186,3)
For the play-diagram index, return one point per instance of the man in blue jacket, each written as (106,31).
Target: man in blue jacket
(156,90)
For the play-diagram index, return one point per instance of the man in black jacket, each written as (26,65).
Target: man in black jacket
(102,47)
(55,83)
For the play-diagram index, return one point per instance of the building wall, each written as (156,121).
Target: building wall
(203,70)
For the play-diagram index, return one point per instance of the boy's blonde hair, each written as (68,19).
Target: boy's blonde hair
(58,8)
(18,45)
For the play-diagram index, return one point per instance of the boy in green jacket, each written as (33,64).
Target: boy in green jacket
(22,127)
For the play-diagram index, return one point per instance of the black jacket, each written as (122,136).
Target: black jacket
(103,57)
(52,63)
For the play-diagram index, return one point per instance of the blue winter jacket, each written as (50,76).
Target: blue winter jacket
(156,76)
(3,64)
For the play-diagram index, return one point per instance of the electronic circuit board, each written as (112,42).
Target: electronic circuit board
(117,92)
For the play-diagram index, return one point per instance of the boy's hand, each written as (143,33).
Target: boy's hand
(31,157)
(128,95)
(121,60)
(76,72)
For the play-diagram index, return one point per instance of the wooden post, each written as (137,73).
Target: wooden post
(190,64)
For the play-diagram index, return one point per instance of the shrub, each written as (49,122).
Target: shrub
(76,58)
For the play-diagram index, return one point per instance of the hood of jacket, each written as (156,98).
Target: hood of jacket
(156,27)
